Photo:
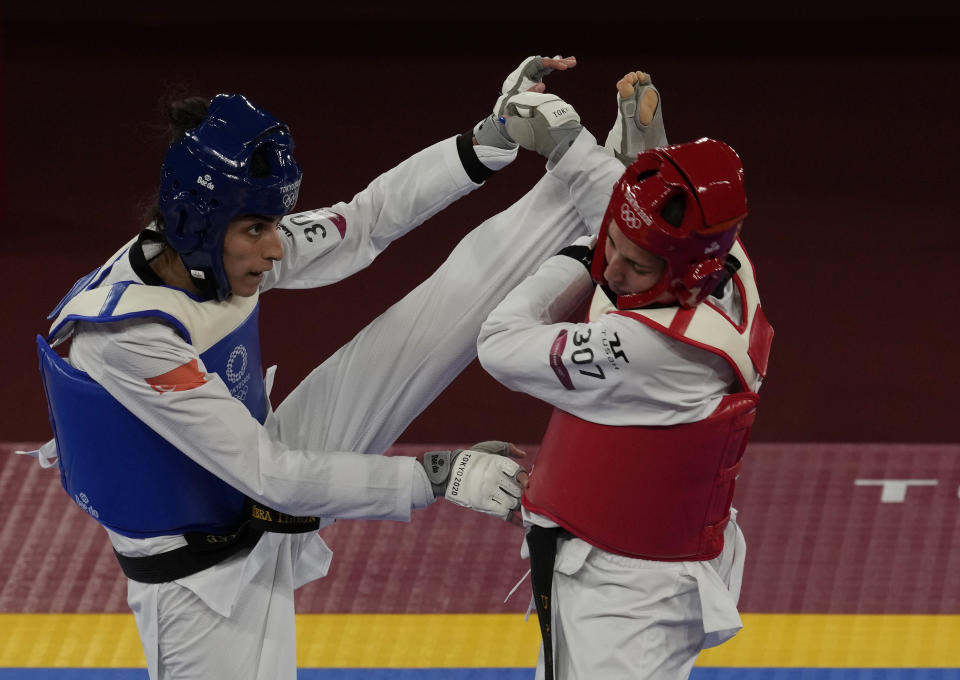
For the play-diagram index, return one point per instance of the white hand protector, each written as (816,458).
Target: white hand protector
(525,76)
(481,478)
(543,123)
(491,131)
(629,137)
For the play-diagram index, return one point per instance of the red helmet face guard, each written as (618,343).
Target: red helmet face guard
(684,204)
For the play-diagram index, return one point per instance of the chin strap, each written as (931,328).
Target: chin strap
(205,284)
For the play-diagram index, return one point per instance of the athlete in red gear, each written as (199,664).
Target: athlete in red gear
(629,502)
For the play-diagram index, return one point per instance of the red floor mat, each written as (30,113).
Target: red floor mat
(817,542)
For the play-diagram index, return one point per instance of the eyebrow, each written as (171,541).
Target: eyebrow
(640,265)
(258,216)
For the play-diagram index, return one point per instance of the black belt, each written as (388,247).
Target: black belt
(204,550)
(542,543)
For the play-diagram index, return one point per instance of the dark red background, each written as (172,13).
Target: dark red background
(845,120)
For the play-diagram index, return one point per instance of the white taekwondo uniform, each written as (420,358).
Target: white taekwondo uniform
(236,619)
(615,616)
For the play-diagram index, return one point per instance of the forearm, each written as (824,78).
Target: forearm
(215,430)
(327,245)
(518,332)
(589,175)
(407,195)
(338,484)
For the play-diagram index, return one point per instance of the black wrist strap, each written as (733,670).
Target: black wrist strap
(476,171)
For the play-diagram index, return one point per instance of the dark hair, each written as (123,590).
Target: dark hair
(183,113)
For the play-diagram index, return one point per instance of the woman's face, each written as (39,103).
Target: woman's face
(630,269)
(250,247)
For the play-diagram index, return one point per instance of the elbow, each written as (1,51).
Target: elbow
(485,352)
(489,357)
(484,359)
(499,345)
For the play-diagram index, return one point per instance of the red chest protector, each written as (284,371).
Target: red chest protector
(660,493)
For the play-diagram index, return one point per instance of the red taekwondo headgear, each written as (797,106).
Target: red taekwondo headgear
(684,203)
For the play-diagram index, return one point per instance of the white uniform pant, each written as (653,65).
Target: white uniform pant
(185,636)
(360,399)
(618,618)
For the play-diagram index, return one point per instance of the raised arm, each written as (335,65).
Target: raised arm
(639,123)
(324,246)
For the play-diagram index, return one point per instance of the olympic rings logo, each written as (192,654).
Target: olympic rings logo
(288,194)
(234,373)
(633,220)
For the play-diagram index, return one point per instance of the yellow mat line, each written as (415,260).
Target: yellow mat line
(499,641)
(841,641)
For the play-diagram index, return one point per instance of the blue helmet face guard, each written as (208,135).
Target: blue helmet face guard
(238,161)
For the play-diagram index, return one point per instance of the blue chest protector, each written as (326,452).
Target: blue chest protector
(112,464)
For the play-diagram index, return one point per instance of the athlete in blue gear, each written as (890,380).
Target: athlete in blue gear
(161,416)
(239,156)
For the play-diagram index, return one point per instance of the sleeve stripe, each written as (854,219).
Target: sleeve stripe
(182,378)
(556,360)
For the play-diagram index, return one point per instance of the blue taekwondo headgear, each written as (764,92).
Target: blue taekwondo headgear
(209,178)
